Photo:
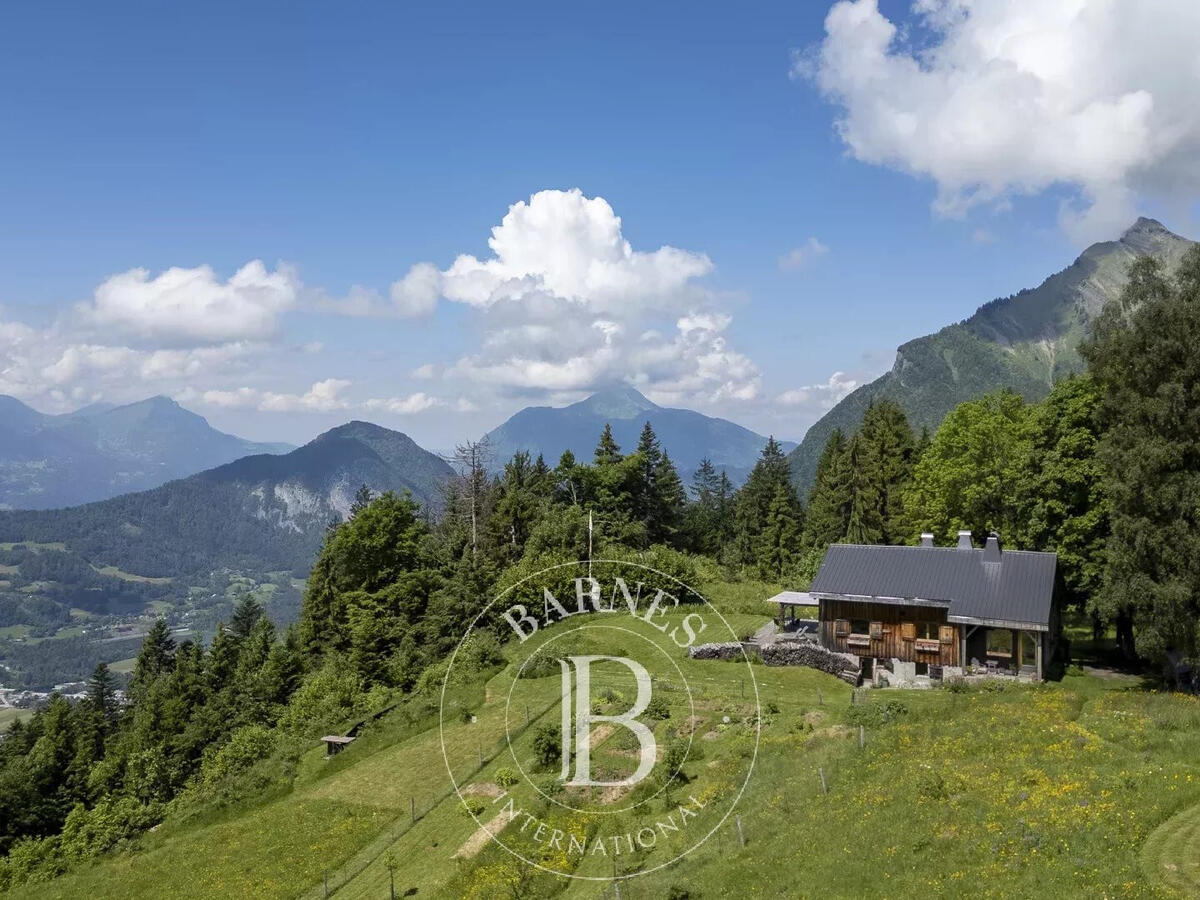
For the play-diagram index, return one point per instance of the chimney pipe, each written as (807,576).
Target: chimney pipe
(991,550)
(926,539)
(964,541)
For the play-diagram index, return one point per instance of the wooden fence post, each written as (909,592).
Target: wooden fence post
(741,836)
(824,786)
(862,736)
(412,810)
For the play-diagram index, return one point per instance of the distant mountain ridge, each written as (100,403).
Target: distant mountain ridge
(1024,342)
(262,512)
(686,435)
(100,451)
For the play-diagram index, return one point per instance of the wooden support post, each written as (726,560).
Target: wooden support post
(741,836)
(862,736)
(824,786)
(412,810)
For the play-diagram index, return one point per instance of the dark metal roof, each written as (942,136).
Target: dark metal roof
(1017,589)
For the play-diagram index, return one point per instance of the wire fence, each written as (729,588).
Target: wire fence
(337,878)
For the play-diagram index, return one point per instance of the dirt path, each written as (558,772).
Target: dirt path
(485,833)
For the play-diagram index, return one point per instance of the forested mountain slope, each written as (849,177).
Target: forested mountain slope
(1024,342)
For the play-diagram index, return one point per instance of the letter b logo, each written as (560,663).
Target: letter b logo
(577,729)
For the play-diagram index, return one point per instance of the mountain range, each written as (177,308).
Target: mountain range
(687,436)
(1024,342)
(101,451)
(261,512)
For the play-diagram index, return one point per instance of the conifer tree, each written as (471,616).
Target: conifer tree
(828,514)
(608,452)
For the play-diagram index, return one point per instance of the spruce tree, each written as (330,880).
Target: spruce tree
(608,452)
(829,501)
(155,659)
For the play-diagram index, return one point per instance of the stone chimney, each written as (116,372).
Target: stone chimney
(926,539)
(964,541)
(991,550)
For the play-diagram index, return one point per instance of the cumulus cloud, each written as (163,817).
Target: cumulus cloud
(564,245)
(819,396)
(800,257)
(193,306)
(323,396)
(565,303)
(403,406)
(328,395)
(996,98)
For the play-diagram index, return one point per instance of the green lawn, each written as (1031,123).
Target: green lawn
(1085,788)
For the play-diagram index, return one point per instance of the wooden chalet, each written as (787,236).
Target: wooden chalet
(939,607)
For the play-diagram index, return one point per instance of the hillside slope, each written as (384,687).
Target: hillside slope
(101,451)
(1024,342)
(686,435)
(984,781)
(260,512)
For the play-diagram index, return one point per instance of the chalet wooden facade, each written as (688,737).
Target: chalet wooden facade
(943,607)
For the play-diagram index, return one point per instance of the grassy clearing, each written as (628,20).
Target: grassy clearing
(8,715)
(124,666)
(1085,788)
(34,545)
(114,572)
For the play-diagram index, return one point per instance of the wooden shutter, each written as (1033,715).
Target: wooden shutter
(946,634)
(876,631)
(841,626)
(908,631)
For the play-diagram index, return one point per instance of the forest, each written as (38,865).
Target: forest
(1105,472)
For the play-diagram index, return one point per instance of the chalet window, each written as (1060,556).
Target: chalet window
(841,626)
(877,631)
(927,631)
(946,634)
(999,642)
(908,630)
(859,626)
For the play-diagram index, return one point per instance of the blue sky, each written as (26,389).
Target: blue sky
(348,143)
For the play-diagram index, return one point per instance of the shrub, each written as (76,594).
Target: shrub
(245,747)
(673,759)
(547,745)
(506,777)
(658,708)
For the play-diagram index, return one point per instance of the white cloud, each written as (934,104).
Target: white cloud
(416,294)
(192,306)
(802,256)
(566,304)
(403,406)
(996,98)
(428,370)
(564,245)
(819,396)
(323,396)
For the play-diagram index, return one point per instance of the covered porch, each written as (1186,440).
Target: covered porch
(1009,648)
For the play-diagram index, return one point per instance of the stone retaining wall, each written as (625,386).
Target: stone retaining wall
(813,655)
(785,653)
(728,650)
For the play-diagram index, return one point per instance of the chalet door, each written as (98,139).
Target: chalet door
(1026,650)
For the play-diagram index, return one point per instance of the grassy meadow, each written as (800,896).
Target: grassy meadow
(1085,788)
